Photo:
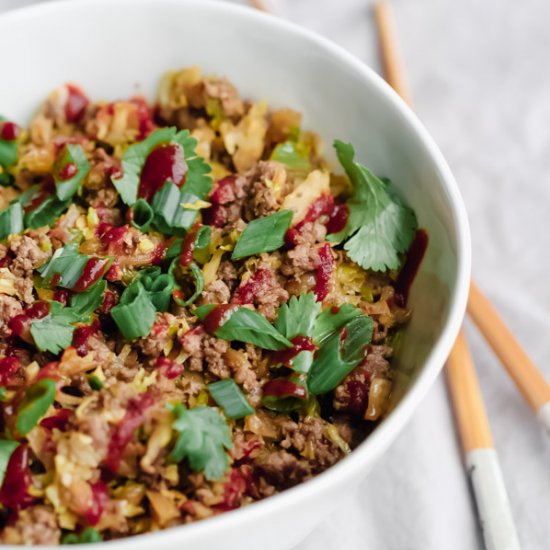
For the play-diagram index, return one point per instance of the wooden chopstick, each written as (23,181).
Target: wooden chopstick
(493,508)
(482,464)
(527,377)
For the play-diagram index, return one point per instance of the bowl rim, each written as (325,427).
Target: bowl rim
(389,428)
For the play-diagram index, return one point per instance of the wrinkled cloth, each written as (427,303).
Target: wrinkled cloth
(478,73)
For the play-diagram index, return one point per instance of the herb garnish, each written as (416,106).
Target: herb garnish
(263,235)
(379,226)
(230,398)
(203,437)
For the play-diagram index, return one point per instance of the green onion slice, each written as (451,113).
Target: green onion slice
(230,398)
(38,399)
(142,215)
(135,314)
(11,220)
(293,155)
(339,355)
(6,450)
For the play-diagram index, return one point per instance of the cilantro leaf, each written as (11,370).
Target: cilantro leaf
(133,161)
(54,332)
(245,325)
(83,304)
(379,226)
(203,437)
(263,235)
(197,182)
(298,316)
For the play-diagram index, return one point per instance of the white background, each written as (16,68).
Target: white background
(479,72)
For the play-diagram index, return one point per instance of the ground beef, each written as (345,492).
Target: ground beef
(28,254)
(154,344)
(352,395)
(24,288)
(265,177)
(216,292)
(222,90)
(227,272)
(299,260)
(9,307)
(214,351)
(102,167)
(263,289)
(282,469)
(106,197)
(33,526)
(311,233)
(310,440)
(207,353)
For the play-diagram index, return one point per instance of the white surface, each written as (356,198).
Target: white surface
(479,76)
(544,416)
(495,515)
(257,51)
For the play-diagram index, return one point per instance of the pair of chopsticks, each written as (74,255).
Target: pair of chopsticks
(481,459)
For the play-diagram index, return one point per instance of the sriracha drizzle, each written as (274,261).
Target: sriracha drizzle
(164,163)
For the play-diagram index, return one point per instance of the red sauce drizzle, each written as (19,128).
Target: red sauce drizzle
(134,417)
(8,367)
(408,273)
(21,324)
(109,302)
(280,387)
(48,187)
(338,217)
(324,272)
(15,489)
(81,335)
(100,498)
(145,117)
(238,484)
(168,368)
(217,317)
(77,102)
(223,193)
(300,343)
(110,235)
(158,254)
(9,131)
(358,396)
(187,246)
(68,171)
(247,293)
(61,296)
(322,206)
(164,163)
(58,420)
(94,269)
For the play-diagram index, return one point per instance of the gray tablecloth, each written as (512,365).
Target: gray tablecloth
(479,74)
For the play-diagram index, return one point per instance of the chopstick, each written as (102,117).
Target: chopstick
(481,459)
(480,455)
(527,377)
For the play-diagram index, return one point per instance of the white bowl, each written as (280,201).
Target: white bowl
(115,48)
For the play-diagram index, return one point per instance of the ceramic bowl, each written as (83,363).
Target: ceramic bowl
(117,48)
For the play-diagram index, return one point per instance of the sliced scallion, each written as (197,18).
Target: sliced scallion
(142,215)
(135,314)
(38,399)
(67,182)
(6,450)
(230,398)
(11,220)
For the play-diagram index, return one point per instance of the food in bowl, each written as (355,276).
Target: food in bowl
(196,313)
